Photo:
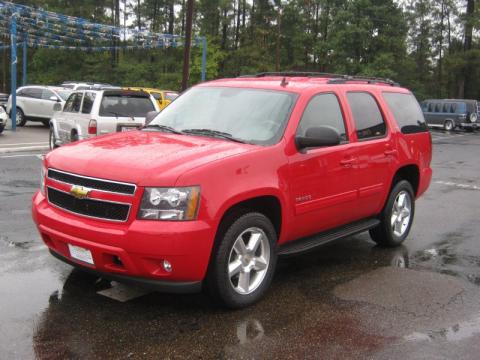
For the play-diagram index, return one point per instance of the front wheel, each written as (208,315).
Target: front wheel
(20,118)
(51,139)
(244,261)
(397,216)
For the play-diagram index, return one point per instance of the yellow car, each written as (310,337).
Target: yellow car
(163,97)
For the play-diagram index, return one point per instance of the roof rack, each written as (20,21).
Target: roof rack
(334,78)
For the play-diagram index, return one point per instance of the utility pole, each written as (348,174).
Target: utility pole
(187,44)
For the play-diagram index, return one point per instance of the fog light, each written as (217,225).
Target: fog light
(167,266)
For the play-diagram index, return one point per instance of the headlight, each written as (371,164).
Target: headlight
(43,173)
(2,110)
(170,203)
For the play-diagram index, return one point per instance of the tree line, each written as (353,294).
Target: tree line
(430,46)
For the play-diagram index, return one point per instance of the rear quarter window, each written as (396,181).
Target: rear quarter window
(406,111)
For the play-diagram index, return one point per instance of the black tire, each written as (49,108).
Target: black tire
(449,125)
(1,128)
(384,234)
(51,139)
(21,116)
(46,123)
(218,281)
(74,136)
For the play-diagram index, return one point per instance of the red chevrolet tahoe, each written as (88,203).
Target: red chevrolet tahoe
(232,175)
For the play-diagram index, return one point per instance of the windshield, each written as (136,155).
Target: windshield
(125,106)
(251,115)
(64,94)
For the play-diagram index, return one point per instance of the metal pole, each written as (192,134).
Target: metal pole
(187,45)
(24,63)
(204,58)
(13,69)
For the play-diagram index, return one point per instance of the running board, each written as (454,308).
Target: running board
(311,242)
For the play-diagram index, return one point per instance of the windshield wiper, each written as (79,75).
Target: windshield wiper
(215,133)
(163,128)
(119,114)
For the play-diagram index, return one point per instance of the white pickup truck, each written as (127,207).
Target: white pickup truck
(89,113)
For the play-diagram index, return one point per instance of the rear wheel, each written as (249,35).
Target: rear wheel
(244,261)
(74,136)
(449,125)
(396,217)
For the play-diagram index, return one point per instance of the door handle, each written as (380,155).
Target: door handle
(348,162)
(391,152)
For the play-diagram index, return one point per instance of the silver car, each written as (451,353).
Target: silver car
(89,113)
(36,103)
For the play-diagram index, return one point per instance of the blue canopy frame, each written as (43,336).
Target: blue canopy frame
(37,28)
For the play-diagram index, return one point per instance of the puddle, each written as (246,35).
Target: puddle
(451,256)
(457,332)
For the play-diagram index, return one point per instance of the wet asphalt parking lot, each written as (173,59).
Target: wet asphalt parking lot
(349,299)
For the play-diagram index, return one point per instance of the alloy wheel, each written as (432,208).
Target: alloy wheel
(248,261)
(402,209)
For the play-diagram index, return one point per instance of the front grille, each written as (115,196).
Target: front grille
(97,184)
(88,207)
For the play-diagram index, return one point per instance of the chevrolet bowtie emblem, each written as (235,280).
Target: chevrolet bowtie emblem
(80,192)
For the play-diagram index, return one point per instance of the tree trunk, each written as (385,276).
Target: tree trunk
(467,47)
(171,16)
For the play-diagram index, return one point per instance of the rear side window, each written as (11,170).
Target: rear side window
(323,110)
(125,105)
(157,96)
(32,93)
(88,100)
(73,103)
(367,116)
(406,111)
(47,94)
(446,107)
(430,107)
(453,109)
(438,107)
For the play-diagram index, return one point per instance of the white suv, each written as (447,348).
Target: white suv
(36,103)
(89,113)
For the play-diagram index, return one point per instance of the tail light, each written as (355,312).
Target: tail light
(92,127)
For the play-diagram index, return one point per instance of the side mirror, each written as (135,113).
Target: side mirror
(150,116)
(57,107)
(54,98)
(317,137)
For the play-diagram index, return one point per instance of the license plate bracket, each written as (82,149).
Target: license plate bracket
(79,253)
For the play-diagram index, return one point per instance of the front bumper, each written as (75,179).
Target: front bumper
(130,252)
(469,125)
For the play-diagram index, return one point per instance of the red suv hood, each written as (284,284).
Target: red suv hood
(140,157)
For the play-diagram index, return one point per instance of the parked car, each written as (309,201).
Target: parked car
(163,97)
(75,85)
(451,113)
(3,119)
(96,112)
(3,100)
(35,103)
(233,174)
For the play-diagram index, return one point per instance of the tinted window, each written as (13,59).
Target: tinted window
(406,111)
(157,96)
(430,107)
(83,87)
(323,110)
(461,108)
(438,107)
(73,103)
(446,107)
(47,94)
(367,116)
(32,93)
(127,106)
(88,102)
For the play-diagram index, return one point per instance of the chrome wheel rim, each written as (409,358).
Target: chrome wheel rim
(248,261)
(18,118)
(449,126)
(52,140)
(401,212)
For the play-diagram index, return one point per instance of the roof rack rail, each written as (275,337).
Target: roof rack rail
(294,74)
(334,78)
